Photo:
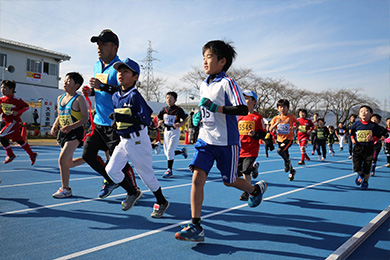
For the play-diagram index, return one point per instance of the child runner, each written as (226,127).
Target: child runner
(304,130)
(12,108)
(131,120)
(387,142)
(172,117)
(269,143)
(321,138)
(251,128)
(363,135)
(313,133)
(219,140)
(341,132)
(72,115)
(378,143)
(331,138)
(285,124)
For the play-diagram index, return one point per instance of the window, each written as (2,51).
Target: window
(50,69)
(34,66)
(3,60)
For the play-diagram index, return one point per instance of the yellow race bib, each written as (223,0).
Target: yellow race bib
(125,111)
(102,77)
(7,108)
(245,126)
(302,128)
(361,135)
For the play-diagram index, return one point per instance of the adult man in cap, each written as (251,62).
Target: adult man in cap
(102,136)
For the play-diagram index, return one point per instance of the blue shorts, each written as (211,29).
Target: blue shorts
(225,156)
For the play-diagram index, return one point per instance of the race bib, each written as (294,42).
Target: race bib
(64,119)
(7,108)
(169,120)
(245,126)
(208,117)
(102,77)
(320,135)
(125,111)
(302,128)
(284,129)
(361,135)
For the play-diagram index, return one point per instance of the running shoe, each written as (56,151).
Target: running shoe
(307,158)
(184,152)
(33,158)
(107,189)
(291,176)
(350,157)
(323,159)
(254,201)
(168,174)
(9,159)
(190,232)
(159,210)
(62,193)
(244,196)
(157,148)
(312,152)
(358,180)
(130,200)
(255,171)
(364,186)
(301,163)
(388,165)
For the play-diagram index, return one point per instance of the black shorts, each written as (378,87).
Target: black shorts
(245,165)
(104,138)
(75,134)
(362,158)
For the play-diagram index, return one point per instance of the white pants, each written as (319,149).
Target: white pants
(341,140)
(138,150)
(171,141)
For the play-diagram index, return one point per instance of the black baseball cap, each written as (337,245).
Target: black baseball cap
(106,36)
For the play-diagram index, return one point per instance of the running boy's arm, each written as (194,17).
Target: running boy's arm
(24,107)
(54,128)
(230,110)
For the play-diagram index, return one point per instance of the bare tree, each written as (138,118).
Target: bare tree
(153,91)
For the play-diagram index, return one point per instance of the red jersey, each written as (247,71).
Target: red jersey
(249,145)
(10,103)
(305,126)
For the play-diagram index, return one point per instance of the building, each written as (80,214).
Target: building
(36,73)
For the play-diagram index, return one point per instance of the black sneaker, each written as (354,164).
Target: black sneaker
(292,174)
(255,171)
(159,210)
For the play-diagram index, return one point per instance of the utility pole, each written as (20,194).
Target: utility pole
(148,70)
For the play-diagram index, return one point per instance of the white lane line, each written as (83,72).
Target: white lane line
(159,230)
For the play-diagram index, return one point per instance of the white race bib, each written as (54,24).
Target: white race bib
(169,120)
(208,117)
(284,129)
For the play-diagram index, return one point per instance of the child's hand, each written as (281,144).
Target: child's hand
(370,138)
(87,91)
(53,131)
(14,113)
(66,129)
(251,133)
(176,125)
(207,103)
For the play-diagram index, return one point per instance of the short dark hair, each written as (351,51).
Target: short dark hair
(222,50)
(331,127)
(302,110)
(368,107)
(283,102)
(173,94)
(352,115)
(9,83)
(77,78)
(321,119)
(377,116)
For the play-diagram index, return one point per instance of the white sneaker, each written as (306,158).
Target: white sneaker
(62,193)
(157,149)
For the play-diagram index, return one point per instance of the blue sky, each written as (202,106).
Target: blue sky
(315,45)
